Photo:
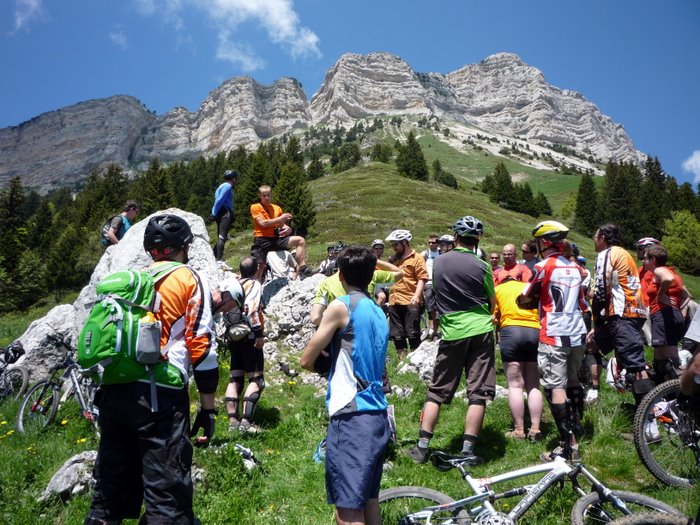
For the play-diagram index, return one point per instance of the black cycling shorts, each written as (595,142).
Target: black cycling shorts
(519,343)
(667,327)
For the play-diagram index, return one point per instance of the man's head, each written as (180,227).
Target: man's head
(509,254)
(642,244)
(378,247)
(231,176)
(655,255)
(167,237)
(433,243)
(529,249)
(468,230)
(549,236)
(131,208)
(446,243)
(248,267)
(607,235)
(330,251)
(400,241)
(265,194)
(356,265)
(495,259)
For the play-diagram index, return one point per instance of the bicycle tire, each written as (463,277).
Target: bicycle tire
(39,407)
(589,509)
(14,383)
(395,503)
(668,457)
(653,518)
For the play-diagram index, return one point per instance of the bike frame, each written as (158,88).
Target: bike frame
(555,471)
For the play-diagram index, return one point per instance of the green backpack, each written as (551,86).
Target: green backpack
(121,338)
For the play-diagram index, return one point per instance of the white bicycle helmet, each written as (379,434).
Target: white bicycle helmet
(468,226)
(399,235)
(377,242)
(446,239)
(646,241)
(233,287)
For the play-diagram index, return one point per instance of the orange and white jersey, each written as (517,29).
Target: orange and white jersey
(187,334)
(618,288)
(557,285)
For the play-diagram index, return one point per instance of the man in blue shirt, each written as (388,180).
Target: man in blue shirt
(222,211)
(358,430)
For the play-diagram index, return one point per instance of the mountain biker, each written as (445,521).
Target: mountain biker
(618,308)
(446,243)
(222,211)
(358,430)
(122,222)
(405,299)
(465,300)
(556,290)
(428,295)
(145,453)
(512,268)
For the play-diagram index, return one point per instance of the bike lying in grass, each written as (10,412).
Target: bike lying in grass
(13,380)
(667,438)
(40,406)
(597,503)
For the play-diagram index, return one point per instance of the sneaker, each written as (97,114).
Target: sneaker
(558,452)
(305,271)
(418,454)
(247,427)
(591,397)
(425,334)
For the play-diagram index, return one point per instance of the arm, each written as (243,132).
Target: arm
(317,311)
(395,270)
(252,303)
(113,229)
(419,292)
(277,221)
(335,318)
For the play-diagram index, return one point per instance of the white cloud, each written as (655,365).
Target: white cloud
(277,18)
(119,39)
(238,53)
(692,165)
(27,11)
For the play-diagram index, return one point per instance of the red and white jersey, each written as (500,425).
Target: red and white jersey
(557,284)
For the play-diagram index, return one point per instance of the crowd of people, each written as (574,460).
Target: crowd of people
(547,314)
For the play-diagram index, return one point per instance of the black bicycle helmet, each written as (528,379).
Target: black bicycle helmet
(468,226)
(339,246)
(230,174)
(167,231)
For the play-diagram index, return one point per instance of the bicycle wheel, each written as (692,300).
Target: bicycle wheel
(667,440)
(653,518)
(38,407)
(13,384)
(589,509)
(396,503)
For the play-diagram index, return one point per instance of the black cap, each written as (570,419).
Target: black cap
(230,174)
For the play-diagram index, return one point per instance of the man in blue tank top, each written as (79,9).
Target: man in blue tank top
(357,332)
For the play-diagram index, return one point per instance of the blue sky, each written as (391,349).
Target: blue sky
(639,61)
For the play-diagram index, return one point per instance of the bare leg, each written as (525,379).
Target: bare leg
(515,395)
(534,395)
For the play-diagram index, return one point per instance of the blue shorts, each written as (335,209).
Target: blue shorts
(355,449)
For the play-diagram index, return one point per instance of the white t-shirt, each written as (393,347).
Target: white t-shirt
(281,264)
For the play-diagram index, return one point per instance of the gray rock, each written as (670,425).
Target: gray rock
(72,479)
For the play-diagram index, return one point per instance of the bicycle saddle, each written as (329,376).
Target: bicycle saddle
(445,462)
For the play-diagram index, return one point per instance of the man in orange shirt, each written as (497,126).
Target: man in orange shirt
(272,232)
(511,268)
(406,295)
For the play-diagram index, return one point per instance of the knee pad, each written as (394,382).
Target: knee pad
(640,388)
(575,395)
(560,415)
(238,381)
(234,411)
(250,402)
(260,381)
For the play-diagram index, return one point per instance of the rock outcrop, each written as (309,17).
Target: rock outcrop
(501,95)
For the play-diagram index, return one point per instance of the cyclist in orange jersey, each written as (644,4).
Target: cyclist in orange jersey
(618,308)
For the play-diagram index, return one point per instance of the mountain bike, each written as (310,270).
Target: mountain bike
(41,403)
(597,503)
(13,380)
(667,438)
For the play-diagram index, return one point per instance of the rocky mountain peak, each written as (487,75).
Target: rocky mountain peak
(501,94)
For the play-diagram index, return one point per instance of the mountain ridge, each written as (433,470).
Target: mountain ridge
(501,95)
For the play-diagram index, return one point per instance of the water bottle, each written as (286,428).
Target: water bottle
(148,343)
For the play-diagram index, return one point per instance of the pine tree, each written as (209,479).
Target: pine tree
(542,204)
(293,196)
(410,160)
(585,219)
(156,189)
(315,169)
(12,233)
(437,169)
(655,197)
(619,203)
(503,193)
